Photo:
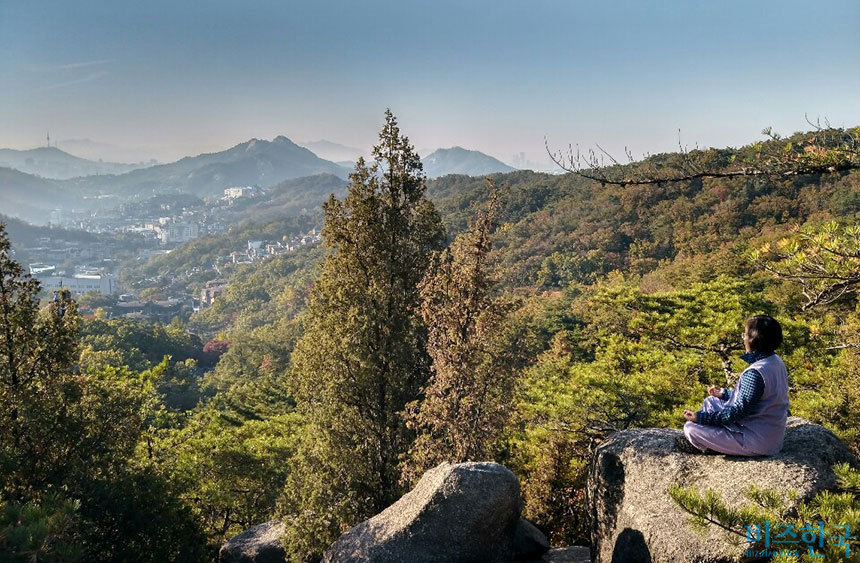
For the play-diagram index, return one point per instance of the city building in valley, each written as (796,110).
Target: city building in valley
(179,232)
(80,284)
(42,269)
(238,191)
(212,290)
(162,311)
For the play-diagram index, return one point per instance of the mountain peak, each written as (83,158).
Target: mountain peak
(49,150)
(255,162)
(458,160)
(255,144)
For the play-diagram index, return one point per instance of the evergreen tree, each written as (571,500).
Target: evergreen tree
(469,396)
(68,489)
(362,357)
(37,353)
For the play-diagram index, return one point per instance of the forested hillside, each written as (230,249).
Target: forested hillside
(522,319)
(26,234)
(26,195)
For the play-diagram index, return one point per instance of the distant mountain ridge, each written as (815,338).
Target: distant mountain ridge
(334,151)
(53,163)
(267,164)
(255,162)
(458,160)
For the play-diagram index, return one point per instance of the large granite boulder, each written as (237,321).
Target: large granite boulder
(634,520)
(261,544)
(466,512)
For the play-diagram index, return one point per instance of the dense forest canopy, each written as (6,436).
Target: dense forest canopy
(559,307)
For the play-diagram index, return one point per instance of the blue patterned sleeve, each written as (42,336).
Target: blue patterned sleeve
(726,394)
(749,394)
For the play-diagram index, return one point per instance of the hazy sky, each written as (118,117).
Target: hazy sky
(170,78)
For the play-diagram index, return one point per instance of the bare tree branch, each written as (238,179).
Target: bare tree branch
(827,150)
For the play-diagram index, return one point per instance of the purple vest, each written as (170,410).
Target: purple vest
(764,428)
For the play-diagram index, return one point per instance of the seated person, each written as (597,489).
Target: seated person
(750,420)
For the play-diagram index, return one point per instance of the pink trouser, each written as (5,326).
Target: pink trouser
(716,438)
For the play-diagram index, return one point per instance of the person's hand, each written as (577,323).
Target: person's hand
(690,416)
(715,391)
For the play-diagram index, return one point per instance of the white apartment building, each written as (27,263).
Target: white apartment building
(238,191)
(80,284)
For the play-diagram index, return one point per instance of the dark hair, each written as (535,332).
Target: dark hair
(764,333)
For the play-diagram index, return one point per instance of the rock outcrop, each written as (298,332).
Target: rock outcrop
(261,544)
(466,512)
(529,542)
(634,520)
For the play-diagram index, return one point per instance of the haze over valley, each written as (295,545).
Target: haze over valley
(36,182)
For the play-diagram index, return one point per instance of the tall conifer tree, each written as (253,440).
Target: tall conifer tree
(469,396)
(362,357)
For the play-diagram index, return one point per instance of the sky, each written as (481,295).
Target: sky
(164,79)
